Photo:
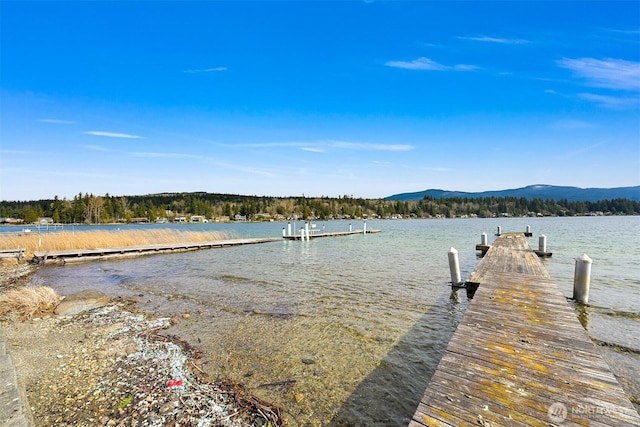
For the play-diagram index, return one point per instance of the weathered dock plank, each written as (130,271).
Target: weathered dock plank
(520,357)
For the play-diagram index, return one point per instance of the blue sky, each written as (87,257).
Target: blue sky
(281,98)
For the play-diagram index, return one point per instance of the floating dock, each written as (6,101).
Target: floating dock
(76,255)
(520,357)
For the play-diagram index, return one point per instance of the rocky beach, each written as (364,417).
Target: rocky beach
(103,362)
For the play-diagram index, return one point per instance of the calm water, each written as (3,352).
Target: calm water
(359,322)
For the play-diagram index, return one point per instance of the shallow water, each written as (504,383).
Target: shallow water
(348,330)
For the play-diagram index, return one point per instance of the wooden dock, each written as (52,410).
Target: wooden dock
(520,357)
(77,255)
(12,253)
(315,234)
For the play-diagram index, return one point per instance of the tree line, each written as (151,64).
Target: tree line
(91,209)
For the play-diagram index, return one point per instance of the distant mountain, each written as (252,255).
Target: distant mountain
(553,192)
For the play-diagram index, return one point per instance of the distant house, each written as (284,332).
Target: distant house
(240,218)
(140,220)
(45,220)
(198,218)
(11,221)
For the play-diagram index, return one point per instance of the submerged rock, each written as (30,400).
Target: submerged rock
(81,301)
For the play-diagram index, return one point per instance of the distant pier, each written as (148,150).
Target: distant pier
(520,357)
(317,234)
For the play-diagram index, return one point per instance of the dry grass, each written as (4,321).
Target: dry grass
(26,302)
(70,240)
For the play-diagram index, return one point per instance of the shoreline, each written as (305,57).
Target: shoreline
(114,366)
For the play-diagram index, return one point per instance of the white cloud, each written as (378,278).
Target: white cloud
(322,146)
(570,124)
(164,155)
(499,40)
(95,147)
(371,147)
(616,103)
(57,121)
(206,70)
(608,73)
(113,135)
(436,169)
(423,63)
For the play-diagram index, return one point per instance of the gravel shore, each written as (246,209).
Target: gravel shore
(113,366)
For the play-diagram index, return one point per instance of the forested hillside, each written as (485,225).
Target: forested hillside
(90,209)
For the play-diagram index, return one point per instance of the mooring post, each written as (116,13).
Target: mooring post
(306,229)
(364,227)
(349,228)
(484,239)
(582,279)
(454,267)
(289,228)
(302,234)
(528,229)
(499,232)
(542,243)
(284,232)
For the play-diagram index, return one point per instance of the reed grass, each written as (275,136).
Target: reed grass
(26,302)
(92,239)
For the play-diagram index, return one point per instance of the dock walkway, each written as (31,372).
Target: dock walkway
(520,357)
(100,253)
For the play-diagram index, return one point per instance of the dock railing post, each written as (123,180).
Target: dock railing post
(484,239)
(350,228)
(289,228)
(364,227)
(582,279)
(528,230)
(454,267)
(306,229)
(542,243)
(499,232)
(302,234)
(284,232)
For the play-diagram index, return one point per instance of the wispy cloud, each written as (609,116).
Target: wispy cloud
(164,155)
(437,169)
(423,63)
(581,150)
(57,121)
(613,102)
(312,149)
(206,70)
(608,73)
(371,147)
(323,146)
(114,135)
(95,147)
(498,40)
(570,124)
